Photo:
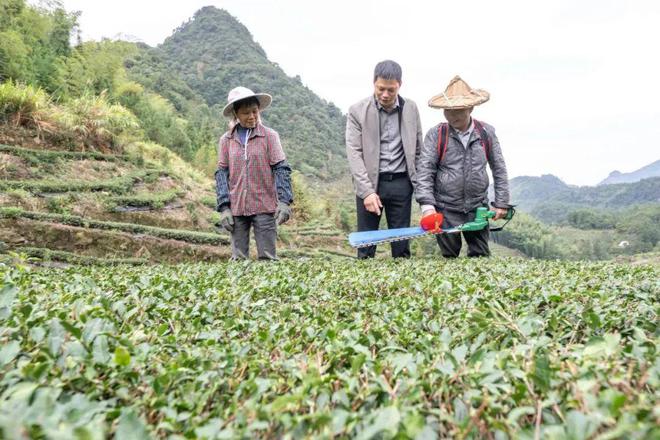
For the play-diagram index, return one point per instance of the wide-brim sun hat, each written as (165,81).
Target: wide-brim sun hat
(459,95)
(239,93)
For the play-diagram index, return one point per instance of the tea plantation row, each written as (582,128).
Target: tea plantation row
(425,348)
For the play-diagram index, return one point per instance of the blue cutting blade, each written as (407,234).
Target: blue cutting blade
(370,238)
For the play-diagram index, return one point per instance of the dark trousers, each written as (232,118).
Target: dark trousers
(265,234)
(395,192)
(450,244)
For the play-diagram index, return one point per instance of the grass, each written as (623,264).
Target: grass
(132,228)
(116,185)
(336,253)
(44,254)
(143,200)
(165,158)
(209,201)
(22,104)
(89,121)
(34,156)
(312,227)
(320,233)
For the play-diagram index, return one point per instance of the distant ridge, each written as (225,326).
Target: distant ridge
(651,170)
(550,199)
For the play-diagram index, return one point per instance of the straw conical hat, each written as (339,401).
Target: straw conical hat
(459,94)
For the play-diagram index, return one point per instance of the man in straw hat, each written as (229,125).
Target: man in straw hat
(383,139)
(253,182)
(451,170)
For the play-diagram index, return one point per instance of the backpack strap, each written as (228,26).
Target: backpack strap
(443,140)
(486,141)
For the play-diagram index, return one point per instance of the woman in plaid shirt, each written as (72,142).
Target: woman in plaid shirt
(253,180)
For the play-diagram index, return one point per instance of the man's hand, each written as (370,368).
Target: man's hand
(373,204)
(226,220)
(432,221)
(282,213)
(427,211)
(500,213)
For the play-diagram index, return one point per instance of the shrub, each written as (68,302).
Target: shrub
(587,218)
(165,158)
(35,157)
(208,201)
(131,228)
(17,194)
(10,212)
(302,204)
(329,348)
(117,185)
(95,122)
(59,204)
(81,260)
(22,104)
(206,159)
(143,200)
(158,117)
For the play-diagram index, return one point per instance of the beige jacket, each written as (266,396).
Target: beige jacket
(363,142)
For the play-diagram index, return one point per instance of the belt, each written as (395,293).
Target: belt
(392,176)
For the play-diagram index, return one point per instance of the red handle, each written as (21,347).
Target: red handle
(432,222)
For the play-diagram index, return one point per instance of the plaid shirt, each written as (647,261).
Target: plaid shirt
(251,182)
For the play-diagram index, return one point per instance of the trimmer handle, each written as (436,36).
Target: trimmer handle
(432,222)
(510,212)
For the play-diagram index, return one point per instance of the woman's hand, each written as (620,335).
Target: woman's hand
(226,220)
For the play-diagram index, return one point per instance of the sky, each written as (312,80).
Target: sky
(573,84)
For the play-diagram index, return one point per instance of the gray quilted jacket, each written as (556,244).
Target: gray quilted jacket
(460,182)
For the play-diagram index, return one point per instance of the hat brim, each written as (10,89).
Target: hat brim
(474,98)
(264,101)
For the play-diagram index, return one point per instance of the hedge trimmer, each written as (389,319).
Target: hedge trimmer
(429,224)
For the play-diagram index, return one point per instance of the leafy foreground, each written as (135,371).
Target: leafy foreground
(498,348)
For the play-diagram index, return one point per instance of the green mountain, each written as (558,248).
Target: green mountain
(528,191)
(551,200)
(88,170)
(211,54)
(650,170)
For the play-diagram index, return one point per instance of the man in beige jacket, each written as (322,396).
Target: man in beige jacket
(383,141)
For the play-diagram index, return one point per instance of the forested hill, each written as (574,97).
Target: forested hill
(213,53)
(550,199)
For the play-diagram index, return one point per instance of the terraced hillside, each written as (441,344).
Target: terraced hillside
(145,205)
